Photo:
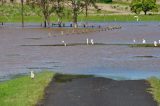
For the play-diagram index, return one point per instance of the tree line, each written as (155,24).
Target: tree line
(72,8)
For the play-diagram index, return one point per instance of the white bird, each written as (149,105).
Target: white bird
(159,41)
(49,34)
(92,42)
(134,41)
(87,41)
(62,33)
(64,43)
(136,18)
(144,41)
(32,75)
(155,43)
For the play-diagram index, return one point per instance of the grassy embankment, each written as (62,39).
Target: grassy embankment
(155,90)
(23,91)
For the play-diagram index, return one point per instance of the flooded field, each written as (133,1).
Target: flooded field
(111,61)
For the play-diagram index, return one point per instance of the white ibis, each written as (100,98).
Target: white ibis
(32,75)
(144,41)
(49,34)
(137,18)
(64,43)
(62,33)
(134,41)
(155,43)
(87,41)
(92,42)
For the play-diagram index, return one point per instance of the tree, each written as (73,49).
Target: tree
(46,7)
(136,6)
(77,7)
(59,10)
(143,5)
(88,3)
(148,5)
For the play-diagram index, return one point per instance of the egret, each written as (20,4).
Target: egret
(62,33)
(134,41)
(32,75)
(64,43)
(92,42)
(155,43)
(87,41)
(144,41)
(136,18)
(49,34)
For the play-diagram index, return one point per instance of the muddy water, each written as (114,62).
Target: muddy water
(112,61)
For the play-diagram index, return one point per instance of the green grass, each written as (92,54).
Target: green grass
(96,18)
(23,91)
(155,88)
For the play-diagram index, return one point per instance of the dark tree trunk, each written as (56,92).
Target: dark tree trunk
(145,12)
(22,13)
(45,23)
(75,19)
(86,11)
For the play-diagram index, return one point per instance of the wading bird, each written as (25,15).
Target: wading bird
(92,42)
(64,43)
(134,41)
(87,41)
(62,33)
(32,75)
(144,41)
(49,34)
(155,43)
(137,18)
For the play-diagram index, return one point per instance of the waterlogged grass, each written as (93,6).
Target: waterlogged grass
(155,88)
(23,91)
(144,45)
(69,77)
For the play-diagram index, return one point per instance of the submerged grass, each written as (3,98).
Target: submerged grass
(155,88)
(23,91)
(143,45)
(69,77)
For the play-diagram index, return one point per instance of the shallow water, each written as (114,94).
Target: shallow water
(112,61)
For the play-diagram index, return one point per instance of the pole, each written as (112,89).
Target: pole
(22,8)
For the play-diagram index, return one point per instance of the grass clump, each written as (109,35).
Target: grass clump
(155,88)
(24,91)
(144,45)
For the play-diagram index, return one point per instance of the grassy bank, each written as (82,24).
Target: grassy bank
(24,91)
(96,17)
(155,90)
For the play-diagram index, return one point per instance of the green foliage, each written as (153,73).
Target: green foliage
(105,1)
(143,5)
(24,91)
(155,88)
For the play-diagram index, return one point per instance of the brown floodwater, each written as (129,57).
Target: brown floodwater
(111,61)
